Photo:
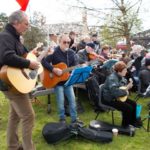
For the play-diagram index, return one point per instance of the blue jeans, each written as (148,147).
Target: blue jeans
(69,93)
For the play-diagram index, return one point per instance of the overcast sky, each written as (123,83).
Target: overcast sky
(56,11)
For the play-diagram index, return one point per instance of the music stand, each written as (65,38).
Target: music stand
(109,63)
(79,75)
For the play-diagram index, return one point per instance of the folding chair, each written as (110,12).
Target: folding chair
(148,121)
(144,95)
(103,106)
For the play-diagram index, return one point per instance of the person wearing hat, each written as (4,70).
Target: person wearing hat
(88,54)
(83,55)
(144,76)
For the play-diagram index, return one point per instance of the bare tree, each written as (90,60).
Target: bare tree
(119,20)
(123,20)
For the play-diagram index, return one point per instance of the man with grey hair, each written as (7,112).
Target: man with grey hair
(11,54)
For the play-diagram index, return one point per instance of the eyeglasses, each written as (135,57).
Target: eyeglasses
(66,42)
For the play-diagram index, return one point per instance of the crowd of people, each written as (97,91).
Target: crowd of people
(65,49)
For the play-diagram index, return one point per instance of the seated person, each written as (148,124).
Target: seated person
(112,92)
(144,76)
(84,40)
(105,51)
(88,54)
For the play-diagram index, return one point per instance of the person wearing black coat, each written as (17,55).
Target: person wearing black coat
(12,54)
(144,76)
(112,93)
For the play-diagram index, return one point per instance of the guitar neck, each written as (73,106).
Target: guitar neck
(71,68)
(80,65)
(42,55)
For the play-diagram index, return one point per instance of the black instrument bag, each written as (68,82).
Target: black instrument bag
(54,132)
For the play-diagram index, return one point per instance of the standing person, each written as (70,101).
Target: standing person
(53,41)
(11,54)
(96,42)
(73,44)
(62,53)
(112,92)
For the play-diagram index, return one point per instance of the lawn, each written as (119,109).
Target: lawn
(141,141)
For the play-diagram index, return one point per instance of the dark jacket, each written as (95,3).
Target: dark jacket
(82,56)
(68,57)
(144,77)
(111,89)
(11,49)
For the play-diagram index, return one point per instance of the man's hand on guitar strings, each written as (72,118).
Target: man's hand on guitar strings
(57,71)
(34,65)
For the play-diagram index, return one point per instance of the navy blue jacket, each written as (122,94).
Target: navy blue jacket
(68,57)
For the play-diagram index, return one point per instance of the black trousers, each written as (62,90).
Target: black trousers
(128,109)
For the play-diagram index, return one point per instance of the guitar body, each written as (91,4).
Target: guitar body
(123,98)
(49,79)
(22,80)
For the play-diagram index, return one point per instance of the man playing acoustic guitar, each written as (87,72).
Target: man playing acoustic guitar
(113,95)
(11,54)
(55,65)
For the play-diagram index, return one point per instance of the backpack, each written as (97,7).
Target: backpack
(92,87)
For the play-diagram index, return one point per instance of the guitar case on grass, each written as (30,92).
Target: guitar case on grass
(104,126)
(54,132)
(97,136)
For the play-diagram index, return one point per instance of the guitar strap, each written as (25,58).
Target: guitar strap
(67,59)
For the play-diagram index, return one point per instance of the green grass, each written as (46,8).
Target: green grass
(141,141)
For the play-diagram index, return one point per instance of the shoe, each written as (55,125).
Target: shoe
(77,121)
(62,121)
(138,123)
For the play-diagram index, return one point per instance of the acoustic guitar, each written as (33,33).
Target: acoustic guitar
(22,80)
(126,88)
(50,79)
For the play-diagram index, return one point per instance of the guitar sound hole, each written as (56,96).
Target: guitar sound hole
(33,74)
